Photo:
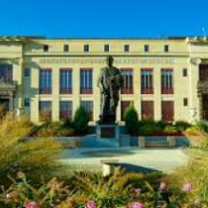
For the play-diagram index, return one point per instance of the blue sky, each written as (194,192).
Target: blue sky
(104,18)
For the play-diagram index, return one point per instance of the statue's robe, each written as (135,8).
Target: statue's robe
(110,81)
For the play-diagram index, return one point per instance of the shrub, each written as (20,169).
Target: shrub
(81,119)
(131,119)
(201,126)
(182,125)
(146,130)
(170,129)
(194,130)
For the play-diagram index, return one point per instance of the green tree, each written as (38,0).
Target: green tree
(131,119)
(81,119)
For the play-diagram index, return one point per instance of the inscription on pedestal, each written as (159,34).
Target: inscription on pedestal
(107,132)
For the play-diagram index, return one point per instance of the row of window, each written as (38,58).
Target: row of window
(147,109)
(86,81)
(106,48)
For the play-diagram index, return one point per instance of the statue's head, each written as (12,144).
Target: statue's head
(109,60)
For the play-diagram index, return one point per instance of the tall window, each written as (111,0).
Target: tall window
(65,109)
(147,81)
(45,78)
(167,110)
(167,81)
(128,81)
(88,106)
(185,74)
(45,110)
(86,81)
(65,81)
(6,72)
(124,106)
(147,110)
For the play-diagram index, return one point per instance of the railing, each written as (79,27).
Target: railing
(8,85)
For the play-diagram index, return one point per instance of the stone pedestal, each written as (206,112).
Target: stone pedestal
(141,142)
(107,131)
(171,141)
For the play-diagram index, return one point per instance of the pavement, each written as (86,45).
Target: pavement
(166,160)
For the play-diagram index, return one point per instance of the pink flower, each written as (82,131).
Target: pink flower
(91,204)
(8,196)
(187,187)
(31,205)
(137,205)
(163,186)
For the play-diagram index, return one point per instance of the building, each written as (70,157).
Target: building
(166,79)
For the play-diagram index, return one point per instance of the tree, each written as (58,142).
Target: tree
(81,119)
(131,119)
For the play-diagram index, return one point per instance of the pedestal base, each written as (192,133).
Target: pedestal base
(107,131)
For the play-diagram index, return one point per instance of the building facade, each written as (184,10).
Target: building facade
(165,79)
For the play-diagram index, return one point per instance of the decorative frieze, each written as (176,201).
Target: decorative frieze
(119,60)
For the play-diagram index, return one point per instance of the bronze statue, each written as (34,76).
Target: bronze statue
(110,82)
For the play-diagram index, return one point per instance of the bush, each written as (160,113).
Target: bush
(81,119)
(146,130)
(52,129)
(170,129)
(201,126)
(182,125)
(194,130)
(131,120)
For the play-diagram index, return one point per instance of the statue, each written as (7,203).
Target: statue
(110,82)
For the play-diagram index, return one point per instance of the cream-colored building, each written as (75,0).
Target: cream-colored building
(164,78)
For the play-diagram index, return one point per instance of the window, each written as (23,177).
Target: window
(45,48)
(27,72)
(27,102)
(185,72)
(167,110)
(65,109)
(45,81)
(106,48)
(128,81)
(65,81)
(124,106)
(146,48)
(147,81)
(86,81)
(203,72)
(88,106)
(126,48)
(66,48)
(6,72)
(185,101)
(167,81)
(166,48)
(147,110)
(86,48)
(45,110)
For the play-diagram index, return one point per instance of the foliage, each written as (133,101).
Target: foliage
(170,129)
(81,119)
(131,120)
(54,129)
(182,125)
(194,130)
(17,153)
(201,126)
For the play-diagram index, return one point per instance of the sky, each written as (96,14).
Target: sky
(104,18)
